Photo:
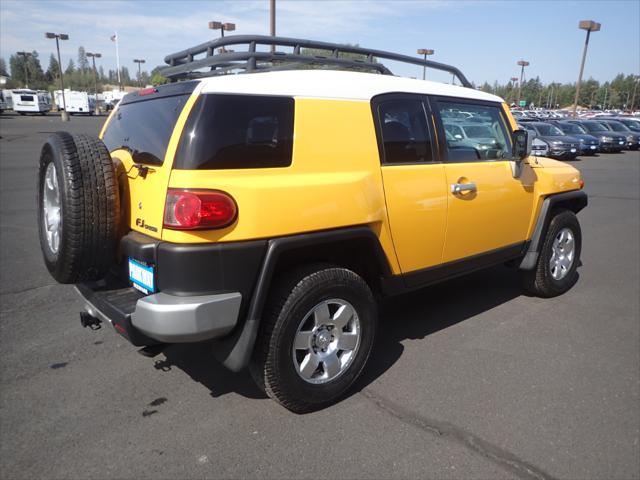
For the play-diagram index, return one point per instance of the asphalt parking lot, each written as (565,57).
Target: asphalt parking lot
(469,379)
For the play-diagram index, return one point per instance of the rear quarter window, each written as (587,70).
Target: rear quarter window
(144,127)
(237,131)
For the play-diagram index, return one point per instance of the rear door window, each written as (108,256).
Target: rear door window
(237,131)
(404,131)
(144,128)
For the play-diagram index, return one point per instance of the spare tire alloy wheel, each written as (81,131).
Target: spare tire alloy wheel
(51,207)
(78,207)
(327,341)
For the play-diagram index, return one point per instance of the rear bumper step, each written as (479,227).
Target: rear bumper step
(164,318)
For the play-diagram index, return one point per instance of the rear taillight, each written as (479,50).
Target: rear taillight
(195,209)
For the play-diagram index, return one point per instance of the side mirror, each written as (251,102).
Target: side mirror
(521,141)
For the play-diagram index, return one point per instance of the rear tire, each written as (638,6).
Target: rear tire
(78,207)
(556,269)
(315,337)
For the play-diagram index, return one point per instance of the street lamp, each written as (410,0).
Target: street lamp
(139,61)
(93,57)
(636,79)
(522,63)
(229,27)
(26,56)
(64,116)
(589,26)
(425,52)
(272,21)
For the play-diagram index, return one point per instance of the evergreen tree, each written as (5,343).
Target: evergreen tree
(53,71)
(71,68)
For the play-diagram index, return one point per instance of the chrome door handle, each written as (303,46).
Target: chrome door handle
(463,187)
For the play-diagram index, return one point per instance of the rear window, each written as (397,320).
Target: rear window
(144,127)
(237,131)
(26,98)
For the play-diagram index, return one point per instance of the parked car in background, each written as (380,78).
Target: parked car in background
(631,123)
(610,141)
(589,145)
(539,148)
(560,145)
(632,138)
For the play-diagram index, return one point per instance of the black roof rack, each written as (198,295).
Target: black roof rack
(185,65)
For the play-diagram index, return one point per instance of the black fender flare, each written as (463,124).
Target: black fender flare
(574,200)
(235,351)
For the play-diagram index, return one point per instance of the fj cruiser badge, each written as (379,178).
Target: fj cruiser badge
(141,223)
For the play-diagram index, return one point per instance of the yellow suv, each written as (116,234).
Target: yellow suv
(267,212)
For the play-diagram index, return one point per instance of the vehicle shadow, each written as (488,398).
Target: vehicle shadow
(411,316)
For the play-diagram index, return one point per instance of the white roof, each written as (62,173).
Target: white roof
(333,84)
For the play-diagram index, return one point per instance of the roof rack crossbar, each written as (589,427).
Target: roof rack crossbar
(183,64)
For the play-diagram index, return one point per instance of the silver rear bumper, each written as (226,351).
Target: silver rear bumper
(167,318)
(173,319)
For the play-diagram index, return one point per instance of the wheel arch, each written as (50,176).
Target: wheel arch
(346,247)
(574,201)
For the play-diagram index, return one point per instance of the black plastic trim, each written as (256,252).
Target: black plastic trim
(574,200)
(428,276)
(235,351)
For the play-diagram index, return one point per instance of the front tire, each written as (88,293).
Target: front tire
(557,268)
(315,338)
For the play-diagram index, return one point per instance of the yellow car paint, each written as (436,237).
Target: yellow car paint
(336,180)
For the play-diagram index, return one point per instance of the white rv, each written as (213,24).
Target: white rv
(8,99)
(111,98)
(31,101)
(75,102)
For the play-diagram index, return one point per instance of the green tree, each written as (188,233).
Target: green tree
(71,68)
(53,71)
(156,77)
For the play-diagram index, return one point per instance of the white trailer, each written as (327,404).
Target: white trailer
(7,98)
(75,102)
(31,101)
(111,98)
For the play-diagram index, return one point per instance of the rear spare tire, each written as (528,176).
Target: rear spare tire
(78,207)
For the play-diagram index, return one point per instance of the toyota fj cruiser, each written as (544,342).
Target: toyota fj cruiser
(266,212)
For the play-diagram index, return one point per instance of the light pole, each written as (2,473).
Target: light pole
(589,26)
(95,78)
(25,56)
(229,27)
(636,79)
(139,61)
(272,21)
(522,63)
(513,82)
(425,52)
(64,116)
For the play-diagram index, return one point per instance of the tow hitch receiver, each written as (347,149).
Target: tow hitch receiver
(88,320)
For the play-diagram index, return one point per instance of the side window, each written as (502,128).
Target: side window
(237,131)
(474,132)
(404,131)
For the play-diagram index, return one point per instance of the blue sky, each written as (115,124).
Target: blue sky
(484,39)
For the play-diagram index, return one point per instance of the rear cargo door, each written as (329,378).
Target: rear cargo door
(142,135)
